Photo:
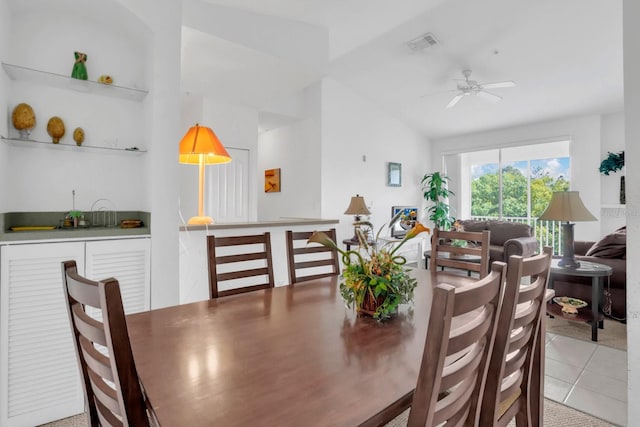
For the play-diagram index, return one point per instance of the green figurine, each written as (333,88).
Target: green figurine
(79,69)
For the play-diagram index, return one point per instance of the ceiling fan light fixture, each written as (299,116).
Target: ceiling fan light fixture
(472,87)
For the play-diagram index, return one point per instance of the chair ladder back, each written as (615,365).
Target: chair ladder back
(110,379)
(443,253)
(300,260)
(454,364)
(506,393)
(427,389)
(236,263)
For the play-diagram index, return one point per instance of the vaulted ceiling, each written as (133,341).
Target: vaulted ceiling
(564,56)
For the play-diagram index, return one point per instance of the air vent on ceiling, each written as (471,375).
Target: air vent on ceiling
(422,42)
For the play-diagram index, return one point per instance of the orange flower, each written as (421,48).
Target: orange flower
(323,239)
(419,228)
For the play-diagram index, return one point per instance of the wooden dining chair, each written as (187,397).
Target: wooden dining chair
(310,261)
(239,260)
(473,257)
(114,396)
(456,353)
(511,367)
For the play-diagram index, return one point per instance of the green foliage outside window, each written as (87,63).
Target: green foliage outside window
(485,193)
(485,198)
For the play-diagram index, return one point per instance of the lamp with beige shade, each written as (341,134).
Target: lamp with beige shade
(567,206)
(357,207)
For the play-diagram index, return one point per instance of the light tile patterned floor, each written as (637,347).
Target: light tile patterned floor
(586,376)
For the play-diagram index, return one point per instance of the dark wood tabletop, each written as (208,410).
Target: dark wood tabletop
(287,356)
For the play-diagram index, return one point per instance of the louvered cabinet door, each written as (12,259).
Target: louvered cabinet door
(128,260)
(39,374)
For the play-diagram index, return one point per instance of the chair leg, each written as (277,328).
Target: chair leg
(523,417)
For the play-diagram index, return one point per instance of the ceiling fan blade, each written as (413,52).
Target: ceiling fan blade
(498,85)
(455,100)
(488,96)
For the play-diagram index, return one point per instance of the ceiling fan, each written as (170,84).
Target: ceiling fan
(472,87)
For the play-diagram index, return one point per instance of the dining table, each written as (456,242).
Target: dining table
(286,356)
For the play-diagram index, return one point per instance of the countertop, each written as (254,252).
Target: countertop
(9,219)
(283,222)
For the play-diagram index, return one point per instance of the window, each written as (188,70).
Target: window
(515,184)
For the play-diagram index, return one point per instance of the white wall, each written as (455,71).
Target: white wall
(5,31)
(43,177)
(296,150)
(584,133)
(135,55)
(611,140)
(163,112)
(631,35)
(352,128)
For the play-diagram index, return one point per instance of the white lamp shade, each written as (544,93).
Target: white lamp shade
(567,206)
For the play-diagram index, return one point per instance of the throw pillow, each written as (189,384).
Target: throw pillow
(612,245)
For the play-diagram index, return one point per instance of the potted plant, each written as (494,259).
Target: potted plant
(76,216)
(435,190)
(613,163)
(375,280)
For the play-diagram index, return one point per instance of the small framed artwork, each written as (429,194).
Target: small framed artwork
(272,180)
(394,174)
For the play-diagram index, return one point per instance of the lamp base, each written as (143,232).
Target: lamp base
(568,253)
(200,220)
(568,263)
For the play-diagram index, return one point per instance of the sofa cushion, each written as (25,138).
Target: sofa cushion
(473,225)
(612,245)
(501,231)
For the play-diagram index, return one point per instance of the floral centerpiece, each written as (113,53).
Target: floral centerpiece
(374,279)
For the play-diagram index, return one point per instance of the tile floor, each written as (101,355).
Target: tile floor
(586,376)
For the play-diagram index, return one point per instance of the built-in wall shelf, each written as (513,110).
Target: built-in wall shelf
(19,73)
(62,145)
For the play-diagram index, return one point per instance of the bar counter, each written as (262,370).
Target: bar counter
(194,276)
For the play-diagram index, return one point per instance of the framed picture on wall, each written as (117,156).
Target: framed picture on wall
(272,180)
(394,174)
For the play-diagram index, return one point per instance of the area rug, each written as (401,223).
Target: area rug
(555,415)
(613,335)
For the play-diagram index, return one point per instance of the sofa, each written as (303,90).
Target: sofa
(506,239)
(611,250)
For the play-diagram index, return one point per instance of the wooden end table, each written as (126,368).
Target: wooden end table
(597,272)
(351,242)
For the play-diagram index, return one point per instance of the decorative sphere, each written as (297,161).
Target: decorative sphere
(23,117)
(105,79)
(78,136)
(55,128)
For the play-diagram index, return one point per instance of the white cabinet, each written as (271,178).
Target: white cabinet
(129,262)
(39,376)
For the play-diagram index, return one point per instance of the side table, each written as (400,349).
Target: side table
(597,272)
(349,242)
